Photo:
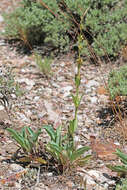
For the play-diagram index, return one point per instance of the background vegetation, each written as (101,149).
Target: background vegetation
(55,23)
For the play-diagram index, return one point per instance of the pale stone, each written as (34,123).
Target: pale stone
(16,168)
(92,83)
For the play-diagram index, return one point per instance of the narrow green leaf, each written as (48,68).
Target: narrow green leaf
(124,162)
(76,154)
(71,127)
(50,131)
(84,161)
(121,155)
(118,168)
(28,145)
(58,135)
(23,132)
(34,135)
(77,80)
(16,136)
(31,132)
(75,124)
(55,147)
(74,98)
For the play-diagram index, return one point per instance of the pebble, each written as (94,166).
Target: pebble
(17,186)
(88,91)
(1,18)
(66,91)
(92,83)
(36,98)
(13,96)
(49,174)
(29,83)
(76,139)
(1,107)
(23,117)
(94,176)
(94,100)
(2,42)
(41,186)
(62,64)
(16,168)
(66,88)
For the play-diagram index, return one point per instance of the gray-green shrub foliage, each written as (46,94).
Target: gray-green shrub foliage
(117,82)
(104,24)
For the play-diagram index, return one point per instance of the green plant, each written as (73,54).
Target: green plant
(117,82)
(63,150)
(44,65)
(121,169)
(122,185)
(56,23)
(8,86)
(63,147)
(26,139)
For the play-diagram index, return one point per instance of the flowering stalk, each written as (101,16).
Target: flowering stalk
(76,98)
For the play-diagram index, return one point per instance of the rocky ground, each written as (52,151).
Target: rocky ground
(47,100)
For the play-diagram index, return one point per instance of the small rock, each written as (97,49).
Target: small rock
(48,90)
(23,117)
(55,85)
(1,107)
(48,174)
(41,186)
(95,176)
(41,115)
(2,43)
(17,186)
(28,113)
(36,98)
(66,90)
(16,168)
(76,139)
(29,83)
(88,91)
(92,83)
(62,64)
(94,100)
(13,96)
(1,18)
(60,79)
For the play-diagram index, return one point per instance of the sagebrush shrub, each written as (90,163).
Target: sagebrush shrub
(56,22)
(117,82)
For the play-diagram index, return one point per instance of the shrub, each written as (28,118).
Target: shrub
(117,82)
(56,23)
(35,24)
